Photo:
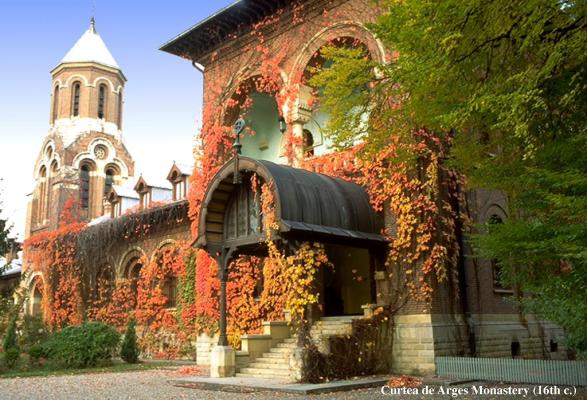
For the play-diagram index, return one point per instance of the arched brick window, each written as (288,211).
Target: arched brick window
(55,104)
(120,109)
(101,100)
(75,99)
(85,186)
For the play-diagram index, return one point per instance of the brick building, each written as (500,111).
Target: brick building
(84,157)
(234,49)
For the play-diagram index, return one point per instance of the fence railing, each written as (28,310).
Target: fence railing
(552,372)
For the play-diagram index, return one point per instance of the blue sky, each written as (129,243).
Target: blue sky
(163,96)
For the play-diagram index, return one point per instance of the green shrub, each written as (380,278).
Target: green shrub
(34,331)
(130,351)
(36,352)
(10,345)
(82,346)
(11,356)
(10,340)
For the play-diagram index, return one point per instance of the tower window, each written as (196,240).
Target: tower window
(76,94)
(85,186)
(101,100)
(55,104)
(120,109)
(109,180)
(43,193)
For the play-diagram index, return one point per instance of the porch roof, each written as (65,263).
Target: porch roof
(312,205)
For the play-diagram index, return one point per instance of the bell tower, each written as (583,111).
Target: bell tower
(83,154)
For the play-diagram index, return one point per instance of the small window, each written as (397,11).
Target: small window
(134,275)
(242,215)
(85,186)
(170,292)
(516,349)
(43,195)
(308,143)
(76,96)
(109,181)
(55,103)
(120,109)
(553,346)
(101,100)
(37,303)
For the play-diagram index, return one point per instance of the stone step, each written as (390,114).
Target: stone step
(276,355)
(269,359)
(265,372)
(282,350)
(271,366)
(290,345)
(344,318)
(268,377)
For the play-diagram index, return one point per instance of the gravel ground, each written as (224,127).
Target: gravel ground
(153,384)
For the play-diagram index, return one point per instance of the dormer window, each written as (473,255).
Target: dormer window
(101,100)
(178,176)
(76,95)
(179,186)
(143,192)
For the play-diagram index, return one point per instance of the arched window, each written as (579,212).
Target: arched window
(55,104)
(75,100)
(134,275)
(101,100)
(242,214)
(85,186)
(308,143)
(120,109)
(170,291)
(496,264)
(105,282)
(37,300)
(43,192)
(109,180)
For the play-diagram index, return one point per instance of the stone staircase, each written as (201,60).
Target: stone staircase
(274,363)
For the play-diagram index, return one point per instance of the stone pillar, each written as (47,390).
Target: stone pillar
(222,362)
(223,356)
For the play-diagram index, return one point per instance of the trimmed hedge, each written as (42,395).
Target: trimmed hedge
(81,346)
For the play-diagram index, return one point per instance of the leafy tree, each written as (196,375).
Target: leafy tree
(129,351)
(506,82)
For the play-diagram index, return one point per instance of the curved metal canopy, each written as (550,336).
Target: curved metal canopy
(309,205)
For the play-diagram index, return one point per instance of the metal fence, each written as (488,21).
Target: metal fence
(514,370)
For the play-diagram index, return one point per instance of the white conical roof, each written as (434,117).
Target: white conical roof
(90,48)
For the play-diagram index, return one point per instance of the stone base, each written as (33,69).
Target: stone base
(222,362)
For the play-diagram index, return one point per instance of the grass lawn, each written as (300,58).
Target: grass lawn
(23,370)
